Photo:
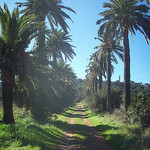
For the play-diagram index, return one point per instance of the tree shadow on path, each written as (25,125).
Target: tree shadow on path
(88,138)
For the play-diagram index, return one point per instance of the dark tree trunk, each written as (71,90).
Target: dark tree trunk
(96,84)
(100,81)
(93,85)
(7,95)
(126,59)
(109,83)
(41,36)
(54,58)
(88,92)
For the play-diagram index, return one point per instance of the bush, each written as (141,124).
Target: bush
(116,96)
(97,101)
(42,102)
(139,110)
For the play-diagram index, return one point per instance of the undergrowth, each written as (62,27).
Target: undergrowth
(120,135)
(26,134)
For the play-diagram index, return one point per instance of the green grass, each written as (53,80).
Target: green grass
(27,134)
(120,136)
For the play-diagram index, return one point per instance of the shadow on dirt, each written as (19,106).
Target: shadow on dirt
(83,134)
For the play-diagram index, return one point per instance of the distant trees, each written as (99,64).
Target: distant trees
(138,110)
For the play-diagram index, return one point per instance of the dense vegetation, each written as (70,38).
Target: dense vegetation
(37,78)
(139,108)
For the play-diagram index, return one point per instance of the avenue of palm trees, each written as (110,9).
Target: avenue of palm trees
(120,18)
(42,72)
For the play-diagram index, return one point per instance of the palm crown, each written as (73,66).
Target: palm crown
(16,34)
(58,45)
(53,9)
(125,14)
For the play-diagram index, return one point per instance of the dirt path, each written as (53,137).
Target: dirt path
(93,140)
(67,142)
(98,141)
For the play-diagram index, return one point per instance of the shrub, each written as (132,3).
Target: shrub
(97,101)
(139,110)
(116,97)
(42,103)
(43,107)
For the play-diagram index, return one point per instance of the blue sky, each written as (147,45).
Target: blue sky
(85,29)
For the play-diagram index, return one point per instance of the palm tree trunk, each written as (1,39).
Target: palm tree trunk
(126,59)
(7,95)
(88,92)
(93,85)
(109,83)
(100,81)
(41,36)
(96,84)
(54,59)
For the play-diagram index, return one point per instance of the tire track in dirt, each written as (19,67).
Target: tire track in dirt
(97,141)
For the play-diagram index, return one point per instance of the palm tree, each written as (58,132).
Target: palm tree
(58,46)
(89,82)
(109,47)
(96,69)
(92,71)
(102,66)
(52,9)
(16,34)
(65,72)
(124,16)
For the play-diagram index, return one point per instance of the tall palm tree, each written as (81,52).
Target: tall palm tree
(52,9)
(124,16)
(102,66)
(16,34)
(58,46)
(96,69)
(92,71)
(109,47)
(89,82)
